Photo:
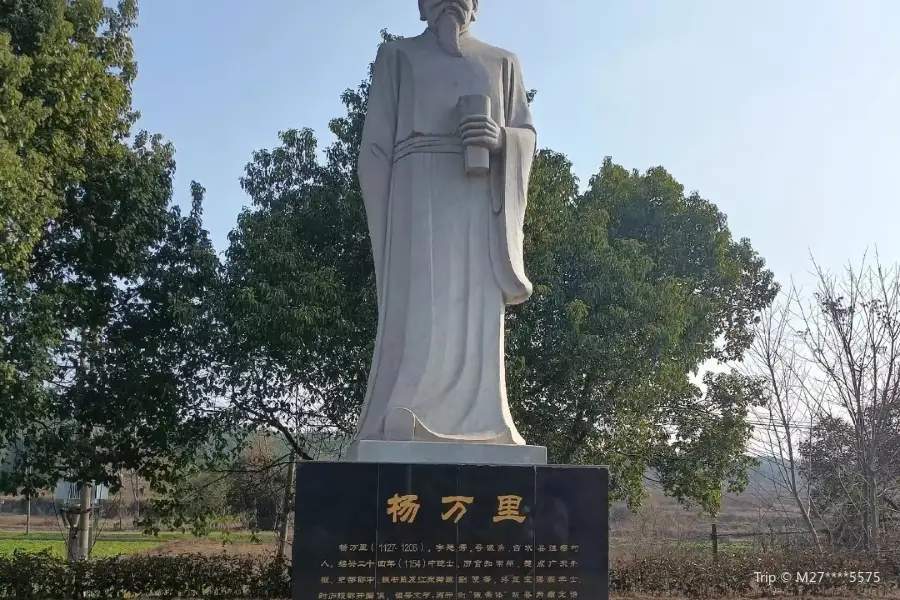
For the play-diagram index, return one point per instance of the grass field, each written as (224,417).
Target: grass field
(117,543)
(113,543)
(57,547)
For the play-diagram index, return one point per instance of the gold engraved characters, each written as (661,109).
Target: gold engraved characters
(410,572)
(403,509)
(458,506)
(508,509)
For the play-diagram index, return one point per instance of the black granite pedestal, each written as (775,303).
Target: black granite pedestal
(368,531)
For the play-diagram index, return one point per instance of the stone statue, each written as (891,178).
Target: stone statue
(446,152)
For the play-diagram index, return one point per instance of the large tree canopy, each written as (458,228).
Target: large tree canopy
(110,339)
(107,333)
(636,285)
(66,68)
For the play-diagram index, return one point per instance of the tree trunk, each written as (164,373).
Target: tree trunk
(95,527)
(79,522)
(72,543)
(874,520)
(804,507)
(84,523)
(286,508)
(807,519)
(867,511)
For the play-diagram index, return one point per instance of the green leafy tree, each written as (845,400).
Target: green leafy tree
(105,287)
(300,309)
(636,285)
(112,335)
(66,68)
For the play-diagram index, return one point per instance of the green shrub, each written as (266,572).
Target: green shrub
(733,574)
(43,576)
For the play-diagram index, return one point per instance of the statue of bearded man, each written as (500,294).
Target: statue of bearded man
(447,242)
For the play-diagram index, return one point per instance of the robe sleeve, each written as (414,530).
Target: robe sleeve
(510,172)
(376,153)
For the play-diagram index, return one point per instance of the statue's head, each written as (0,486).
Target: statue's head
(448,19)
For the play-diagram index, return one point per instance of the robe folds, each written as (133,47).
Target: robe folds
(447,246)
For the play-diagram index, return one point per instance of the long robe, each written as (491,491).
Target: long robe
(447,246)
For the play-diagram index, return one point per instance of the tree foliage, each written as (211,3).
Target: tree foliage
(637,284)
(301,311)
(838,478)
(111,336)
(108,332)
(66,68)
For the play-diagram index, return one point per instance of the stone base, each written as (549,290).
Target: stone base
(454,453)
(537,531)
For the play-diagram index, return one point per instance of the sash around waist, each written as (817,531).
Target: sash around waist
(437,144)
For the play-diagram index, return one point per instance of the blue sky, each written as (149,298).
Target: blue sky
(784,114)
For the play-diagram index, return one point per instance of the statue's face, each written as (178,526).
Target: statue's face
(448,19)
(461,11)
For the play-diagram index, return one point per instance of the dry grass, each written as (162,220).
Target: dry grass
(213,547)
(889,596)
(14,522)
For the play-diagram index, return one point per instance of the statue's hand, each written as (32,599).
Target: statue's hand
(481,131)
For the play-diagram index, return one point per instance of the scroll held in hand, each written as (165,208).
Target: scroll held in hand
(478,159)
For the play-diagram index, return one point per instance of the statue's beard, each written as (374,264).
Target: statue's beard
(448,32)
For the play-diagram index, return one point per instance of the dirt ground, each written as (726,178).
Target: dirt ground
(13,522)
